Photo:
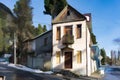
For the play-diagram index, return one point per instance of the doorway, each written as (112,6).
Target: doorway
(68,60)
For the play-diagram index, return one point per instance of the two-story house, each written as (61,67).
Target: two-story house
(71,42)
(67,46)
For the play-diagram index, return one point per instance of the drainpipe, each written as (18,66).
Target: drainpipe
(86,53)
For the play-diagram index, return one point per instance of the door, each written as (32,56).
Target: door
(68,60)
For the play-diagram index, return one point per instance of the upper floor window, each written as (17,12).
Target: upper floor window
(58,33)
(45,41)
(68,30)
(79,31)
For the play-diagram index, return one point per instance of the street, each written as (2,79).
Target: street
(112,73)
(15,74)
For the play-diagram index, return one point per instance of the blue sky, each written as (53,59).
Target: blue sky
(105,18)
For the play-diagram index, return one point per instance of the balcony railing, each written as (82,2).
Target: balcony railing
(67,39)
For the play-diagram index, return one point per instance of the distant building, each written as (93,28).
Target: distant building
(113,56)
(118,55)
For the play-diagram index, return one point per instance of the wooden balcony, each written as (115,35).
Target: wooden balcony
(67,39)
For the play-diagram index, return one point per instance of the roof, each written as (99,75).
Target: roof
(38,36)
(68,14)
(89,21)
(42,34)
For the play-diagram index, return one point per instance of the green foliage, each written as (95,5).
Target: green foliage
(4,36)
(6,28)
(2,14)
(44,28)
(54,7)
(93,37)
(103,54)
(108,60)
(39,30)
(68,39)
(25,30)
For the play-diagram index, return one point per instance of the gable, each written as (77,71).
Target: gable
(68,14)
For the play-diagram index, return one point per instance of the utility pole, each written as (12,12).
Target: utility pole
(14,49)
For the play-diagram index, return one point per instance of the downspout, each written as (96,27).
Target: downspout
(86,53)
(52,68)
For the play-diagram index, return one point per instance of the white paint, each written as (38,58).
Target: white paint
(78,45)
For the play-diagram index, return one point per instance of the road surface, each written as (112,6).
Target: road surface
(15,74)
(112,73)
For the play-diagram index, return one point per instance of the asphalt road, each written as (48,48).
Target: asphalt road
(15,74)
(112,73)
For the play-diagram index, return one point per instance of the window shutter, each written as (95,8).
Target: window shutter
(58,57)
(79,31)
(79,56)
(58,33)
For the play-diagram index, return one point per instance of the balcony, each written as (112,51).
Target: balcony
(67,39)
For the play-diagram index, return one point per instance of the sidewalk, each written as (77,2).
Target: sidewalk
(97,75)
(24,68)
(67,76)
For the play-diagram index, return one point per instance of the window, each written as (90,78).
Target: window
(68,30)
(68,13)
(58,57)
(58,34)
(79,31)
(79,56)
(45,41)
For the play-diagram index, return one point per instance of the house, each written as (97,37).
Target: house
(71,42)
(40,51)
(67,46)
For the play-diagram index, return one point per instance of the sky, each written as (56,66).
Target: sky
(105,18)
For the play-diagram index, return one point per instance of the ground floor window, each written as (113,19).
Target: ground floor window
(79,56)
(58,57)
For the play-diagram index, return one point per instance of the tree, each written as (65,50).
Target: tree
(23,12)
(54,7)
(93,37)
(103,54)
(6,27)
(108,60)
(40,29)
(44,28)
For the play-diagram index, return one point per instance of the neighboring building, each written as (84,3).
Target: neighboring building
(67,46)
(96,55)
(40,51)
(71,42)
